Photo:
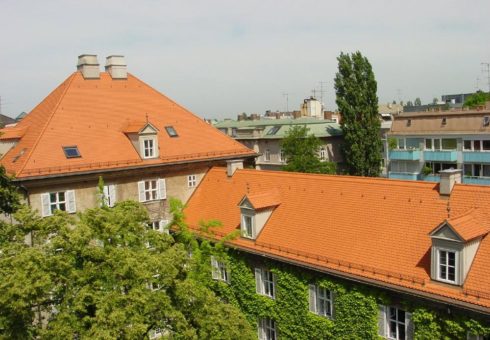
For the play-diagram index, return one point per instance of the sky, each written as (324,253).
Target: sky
(221,58)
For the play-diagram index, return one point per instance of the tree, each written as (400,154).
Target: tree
(301,152)
(435,101)
(103,275)
(356,99)
(409,103)
(477,99)
(417,102)
(9,198)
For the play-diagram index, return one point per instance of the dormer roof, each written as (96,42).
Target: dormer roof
(466,227)
(12,133)
(139,127)
(261,200)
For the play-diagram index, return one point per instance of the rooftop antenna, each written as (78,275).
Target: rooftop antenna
(486,68)
(285,94)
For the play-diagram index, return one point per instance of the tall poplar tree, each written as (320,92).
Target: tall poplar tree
(357,101)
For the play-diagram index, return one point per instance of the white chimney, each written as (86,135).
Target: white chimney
(89,66)
(233,165)
(448,179)
(116,66)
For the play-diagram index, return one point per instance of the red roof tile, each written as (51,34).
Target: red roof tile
(264,199)
(93,113)
(377,229)
(470,225)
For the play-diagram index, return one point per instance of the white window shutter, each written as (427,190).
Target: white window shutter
(260,326)
(112,194)
(409,327)
(258,281)
(162,189)
(141,191)
(382,320)
(228,277)
(333,296)
(312,297)
(214,268)
(71,205)
(45,205)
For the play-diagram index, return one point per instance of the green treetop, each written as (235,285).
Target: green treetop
(104,275)
(301,152)
(357,101)
(477,99)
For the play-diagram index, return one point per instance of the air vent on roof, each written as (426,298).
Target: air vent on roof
(171,131)
(486,120)
(71,151)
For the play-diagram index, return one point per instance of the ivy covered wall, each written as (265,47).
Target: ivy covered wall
(355,305)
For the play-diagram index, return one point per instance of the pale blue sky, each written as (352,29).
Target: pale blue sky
(219,58)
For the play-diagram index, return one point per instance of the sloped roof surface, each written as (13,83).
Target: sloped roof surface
(93,114)
(262,200)
(373,228)
(472,224)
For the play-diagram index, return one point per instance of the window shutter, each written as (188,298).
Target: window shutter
(334,297)
(260,326)
(409,327)
(163,226)
(141,191)
(214,268)
(258,281)
(71,206)
(228,277)
(312,297)
(162,189)
(112,195)
(45,204)
(274,281)
(382,320)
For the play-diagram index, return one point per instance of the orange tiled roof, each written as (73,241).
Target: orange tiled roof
(93,114)
(264,199)
(470,225)
(374,229)
(12,133)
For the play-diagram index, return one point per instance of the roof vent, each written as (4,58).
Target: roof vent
(116,66)
(89,66)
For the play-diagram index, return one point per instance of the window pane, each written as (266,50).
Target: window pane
(393,329)
(428,143)
(476,145)
(467,145)
(451,276)
(486,145)
(412,143)
(468,170)
(486,170)
(401,316)
(451,257)
(442,256)
(62,207)
(61,196)
(476,169)
(401,143)
(437,144)
(401,332)
(449,144)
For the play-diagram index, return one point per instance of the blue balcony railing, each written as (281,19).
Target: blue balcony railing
(431,178)
(476,180)
(403,175)
(441,156)
(407,155)
(476,157)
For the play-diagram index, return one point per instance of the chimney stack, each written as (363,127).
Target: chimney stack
(448,179)
(116,66)
(233,165)
(89,66)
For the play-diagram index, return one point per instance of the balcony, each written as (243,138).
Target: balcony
(431,178)
(476,180)
(441,156)
(405,155)
(403,175)
(476,157)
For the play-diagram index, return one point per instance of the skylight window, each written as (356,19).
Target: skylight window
(171,131)
(71,151)
(274,130)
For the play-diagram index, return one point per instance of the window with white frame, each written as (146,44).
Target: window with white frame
(321,300)
(247,226)
(219,271)
(60,200)
(153,189)
(158,225)
(476,145)
(323,154)
(109,195)
(282,156)
(267,329)
(438,166)
(477,170)
(155,284)
(191,181)
(267,155)
(148,148)
(265,282)
(437,144)
(446,265)
(395,323)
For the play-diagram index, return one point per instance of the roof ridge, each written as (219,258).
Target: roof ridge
(68,82)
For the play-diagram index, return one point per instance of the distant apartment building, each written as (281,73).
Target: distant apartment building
(264,136)
(424,143)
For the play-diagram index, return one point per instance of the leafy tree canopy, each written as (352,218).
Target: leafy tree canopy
(477,99)
(357,101)
(104,275)
(9,198)
(417,102)
(301,152)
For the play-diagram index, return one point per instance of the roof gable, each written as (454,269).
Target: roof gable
(446,232)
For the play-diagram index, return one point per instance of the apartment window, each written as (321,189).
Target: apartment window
(109,195)
(191,181)
(437,166)
(71,151)
(219,270)
(267,155)
(282,157)
(467,145)
(322,154)
(158,225)
(150,190)
(148,148)
(247,226)
(321,301)
(171,131)
(267,329)
(476,145)
(401,143)
(446,265)
(449,144)
(265,282)
(395,323)
(60,200)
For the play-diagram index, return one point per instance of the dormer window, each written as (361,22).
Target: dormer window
(247,226)
(446,265)
(149,148)
(256,210)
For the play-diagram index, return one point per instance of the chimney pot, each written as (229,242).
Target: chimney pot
(233,165)
(88,65)
(116,66)
(448,179)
